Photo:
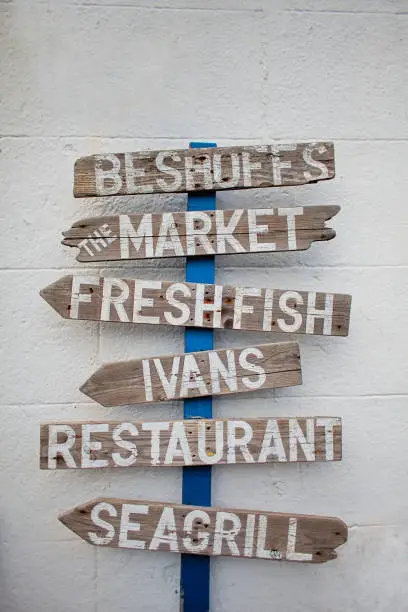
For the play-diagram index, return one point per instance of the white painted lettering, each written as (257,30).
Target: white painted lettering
(249,535)
(314,313)
(203,304)
(256,369)
(147,379)
(84,245)
(117,301)
(77,297)
(268,307)
(307,156)
(254,230)
(178,438)
(219,178)
(98,242)
(167,230)
(261,551)
(89,446)
(276,449)
(248,166)
(169,386)
(206,455)
(62,449)
(141,302)
(98,522)
(291,555)
(297,316)
(329,423)
(239,307)
(107,182)
(117,458)
(165,531)
(181,306)
(201,538)
(106,231)
(126,526)
(176,174)
(155,428)
(218,369)
(143,234)
(191,377)
(296,436)
(192,169)
(291,214)
(132,174)
(277,163)
(241,443)
(225,231)
(229,535)
(196,236)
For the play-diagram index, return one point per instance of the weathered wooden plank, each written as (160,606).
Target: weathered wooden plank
(152,525)
(171,377)
(193,442)
(189,304)
(203,169)
(193,233)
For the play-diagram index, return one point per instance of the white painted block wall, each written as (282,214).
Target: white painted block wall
(91,76)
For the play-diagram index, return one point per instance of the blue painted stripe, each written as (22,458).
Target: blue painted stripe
(195,570)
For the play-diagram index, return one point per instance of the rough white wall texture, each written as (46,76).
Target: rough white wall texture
(91,76)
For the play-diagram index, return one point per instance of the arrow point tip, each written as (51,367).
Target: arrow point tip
(44,293)
(64,518)
(85,388)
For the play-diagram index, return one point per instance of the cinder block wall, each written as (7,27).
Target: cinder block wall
(83,77)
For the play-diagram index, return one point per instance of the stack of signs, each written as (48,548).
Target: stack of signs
(150,525)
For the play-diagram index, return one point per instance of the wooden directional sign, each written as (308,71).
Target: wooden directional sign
(200,233)
(214,306)
(192,442)
(203,169)
(151,525)
(198,374)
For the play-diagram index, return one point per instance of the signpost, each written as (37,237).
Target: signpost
(251,534)
(170,377)
(198,442)
(128,300)
(192,442)
(200,233)
(203,169)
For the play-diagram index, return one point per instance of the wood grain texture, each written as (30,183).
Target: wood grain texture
(151,525)
(194,304)
(192,233)
(170,377)
(193,442)
(203,169)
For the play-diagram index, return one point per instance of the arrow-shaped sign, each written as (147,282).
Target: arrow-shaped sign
(151,525)
(189,304)
(192,442)
(171,377)
(192,233)
(203,169)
